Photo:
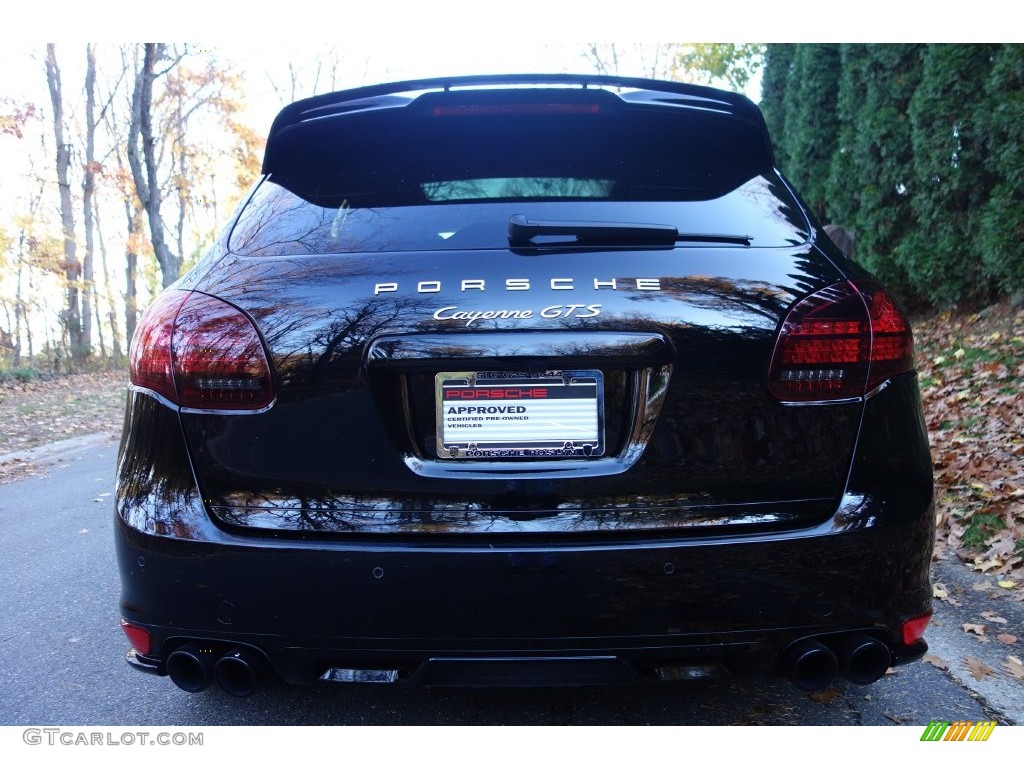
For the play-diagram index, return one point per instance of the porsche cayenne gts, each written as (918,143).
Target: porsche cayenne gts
(523,380)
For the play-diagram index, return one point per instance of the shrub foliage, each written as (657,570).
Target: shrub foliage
(918,150)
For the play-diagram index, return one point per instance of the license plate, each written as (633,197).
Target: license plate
(514,414)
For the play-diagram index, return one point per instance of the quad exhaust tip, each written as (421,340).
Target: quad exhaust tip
(240,671)
(813,663)
(862,659)
(810,664)
(197,664)
(191,666)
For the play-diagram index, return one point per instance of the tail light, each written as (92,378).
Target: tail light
(840,342)
(201,352)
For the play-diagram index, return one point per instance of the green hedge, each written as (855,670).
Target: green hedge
(918,150)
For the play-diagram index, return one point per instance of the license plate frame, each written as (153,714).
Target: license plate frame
(508,415)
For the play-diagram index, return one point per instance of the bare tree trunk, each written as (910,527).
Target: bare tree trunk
(182,173)
(72,268)
(28,325)
(129,196)
(28,302)
(94,297)
(19,306)
(7,337)
(88,185)
(143,161)
(131,257)
(115,340)
(51,348)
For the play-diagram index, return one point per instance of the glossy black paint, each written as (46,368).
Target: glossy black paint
(387,602)
(641,92)
(716,315)
(719,526)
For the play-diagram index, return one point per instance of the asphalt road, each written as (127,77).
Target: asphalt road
(61,650)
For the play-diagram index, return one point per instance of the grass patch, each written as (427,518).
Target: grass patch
(20,375)
(982,527)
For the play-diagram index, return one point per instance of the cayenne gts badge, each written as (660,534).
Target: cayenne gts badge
(554,312)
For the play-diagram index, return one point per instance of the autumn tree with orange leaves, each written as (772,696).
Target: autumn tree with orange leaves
(126,170)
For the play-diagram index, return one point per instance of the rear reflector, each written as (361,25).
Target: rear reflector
(201,352)
(913,629)
(138,637)
(839,343)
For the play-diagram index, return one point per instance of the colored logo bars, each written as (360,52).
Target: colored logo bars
(962,730)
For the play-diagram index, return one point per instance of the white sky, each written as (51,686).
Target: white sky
(451,25)
(388,40)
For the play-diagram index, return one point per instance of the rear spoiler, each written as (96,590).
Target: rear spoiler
(636,91)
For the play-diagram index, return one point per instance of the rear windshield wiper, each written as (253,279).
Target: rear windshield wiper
(523,232)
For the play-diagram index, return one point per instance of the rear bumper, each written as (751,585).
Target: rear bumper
(622,611)
(533,609)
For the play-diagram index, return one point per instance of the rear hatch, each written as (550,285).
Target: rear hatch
(517,311)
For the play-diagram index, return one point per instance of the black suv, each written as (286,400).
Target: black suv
(521,381)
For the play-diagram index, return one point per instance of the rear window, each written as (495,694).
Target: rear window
(420,178)
(516,188)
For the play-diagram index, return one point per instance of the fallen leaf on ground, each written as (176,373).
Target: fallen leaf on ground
(978,668)
(1006,638)
(978,629)
(974,408)
(935,661)
(993,617)
(1007,584)
(1015,667)
(826,696)
(939,592)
